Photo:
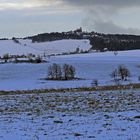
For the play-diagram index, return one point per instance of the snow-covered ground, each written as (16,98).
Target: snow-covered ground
(88,67)
(55,47)
(12,48)
(73,116)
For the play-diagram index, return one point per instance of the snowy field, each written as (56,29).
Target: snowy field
(88,67)
(71,116)
(55,47)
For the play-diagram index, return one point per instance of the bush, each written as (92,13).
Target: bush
(94,83)
(54,72)
(6,57)
(15,40)
(38,59)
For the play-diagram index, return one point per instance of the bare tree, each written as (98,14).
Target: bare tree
(50,73)
(6,57)
(72,72)
(123,72)
(56,72)
(68,72)
(65,71)
(120,74)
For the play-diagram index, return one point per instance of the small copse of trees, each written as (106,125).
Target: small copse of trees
(58,72)
(30,58)
(120,74)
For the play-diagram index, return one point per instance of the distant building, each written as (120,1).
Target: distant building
(105,49)
(79,30)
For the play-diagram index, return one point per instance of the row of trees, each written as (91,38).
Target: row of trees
(67,72)
(30,58)
(115,42)
(54,36)
(58,72)
(98,41)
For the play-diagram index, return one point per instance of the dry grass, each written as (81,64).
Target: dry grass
(80,89)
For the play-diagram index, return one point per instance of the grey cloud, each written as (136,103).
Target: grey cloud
(101,21)
(110,27)
(114,3)
(99,13)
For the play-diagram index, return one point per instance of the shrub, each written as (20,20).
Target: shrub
(38,59)
(94,83)
(6,57)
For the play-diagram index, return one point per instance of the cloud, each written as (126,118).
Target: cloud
(85,3)
(21,4)
(103,21)
(108,27)
(98,15)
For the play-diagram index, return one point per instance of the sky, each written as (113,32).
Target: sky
(21,18)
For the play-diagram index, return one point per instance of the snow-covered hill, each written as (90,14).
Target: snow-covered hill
(54,47)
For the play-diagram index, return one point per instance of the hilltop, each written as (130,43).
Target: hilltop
(98,41)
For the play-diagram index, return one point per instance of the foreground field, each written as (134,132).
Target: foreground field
(77,116)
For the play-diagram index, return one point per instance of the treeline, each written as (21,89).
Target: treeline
(115,42)
(30,58)
(98,41)
(54,36)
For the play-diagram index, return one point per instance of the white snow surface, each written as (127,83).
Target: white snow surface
(54,47)
(73,116)
(12,48)
(88,67)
